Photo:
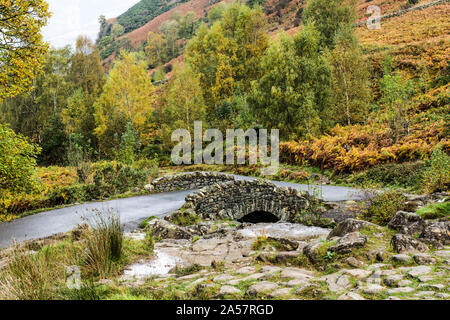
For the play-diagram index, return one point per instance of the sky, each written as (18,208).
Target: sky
(72,18)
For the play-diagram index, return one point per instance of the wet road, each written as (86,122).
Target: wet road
(132,212)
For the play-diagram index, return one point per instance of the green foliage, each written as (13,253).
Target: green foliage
(116,31)
(350,79)
(293,93)
(329,16)
(435,210)
(437,173)
(408,175)
(227,56)
(185,219)
(383,206)
(187,25)
(216,13)
(17,162)
(129,145)
(37,115)
(114,178)
(54,142)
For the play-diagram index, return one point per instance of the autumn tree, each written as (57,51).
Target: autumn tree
(117,30)
(187,25)
(156,48)
(37,114)
(184,99)
(170,31)
(87,78)
(128,97)
(227,56)
(22,48)
(350,79)
(293,94)
(329,16)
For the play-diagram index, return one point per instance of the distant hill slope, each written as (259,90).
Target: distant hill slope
(148,15)
(139,35)
(144,11)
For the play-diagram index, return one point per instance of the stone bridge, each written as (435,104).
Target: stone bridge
(247,201)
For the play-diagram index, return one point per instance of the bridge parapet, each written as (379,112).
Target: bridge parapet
(187,181)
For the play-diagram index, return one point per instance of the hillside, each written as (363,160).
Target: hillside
(149,15)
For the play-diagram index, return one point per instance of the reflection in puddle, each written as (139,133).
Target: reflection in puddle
(162,264)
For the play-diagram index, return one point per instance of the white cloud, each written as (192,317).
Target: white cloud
(74,17)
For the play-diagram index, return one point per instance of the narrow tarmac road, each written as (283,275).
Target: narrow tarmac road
(132,212)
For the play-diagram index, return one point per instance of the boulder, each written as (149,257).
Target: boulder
(281,293)
(353,262)
(348,242)
(407,223)
(377,254)
(261,288)
(402,258)
(373,289)
(149,188)
(392,281)
(350,296)
(349,226)
(437,234)
(283,257)
(166,230)
(337,282)
(228,291)
(286,244)
(419,271)
(296,273)
(422,258)
(403,243)
(312,250)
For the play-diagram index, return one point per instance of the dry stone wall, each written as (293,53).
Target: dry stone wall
(187,181)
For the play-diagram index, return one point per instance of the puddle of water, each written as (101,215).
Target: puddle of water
(161,265)
(283,230)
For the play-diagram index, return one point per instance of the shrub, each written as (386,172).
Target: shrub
(17,162)
(405,175)
(118,177)
(357,147)
(437,173)
(383,206)
(104,245)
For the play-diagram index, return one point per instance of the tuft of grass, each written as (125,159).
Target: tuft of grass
(144,224)
(180,271)
(104,245)
(28,277)
(435,210)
